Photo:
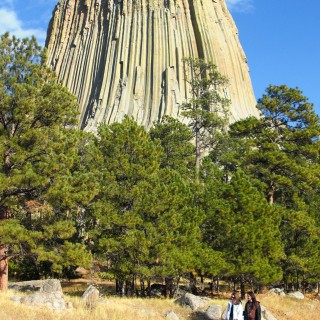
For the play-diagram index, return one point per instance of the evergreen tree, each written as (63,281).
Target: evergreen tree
(246,229)
(143,220)
(207,110)
(283,145)
(175,138)
(37,149)
(280,152)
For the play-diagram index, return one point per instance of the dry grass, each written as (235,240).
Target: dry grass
(284,308)
(114,308)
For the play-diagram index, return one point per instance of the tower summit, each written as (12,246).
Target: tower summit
(126,56)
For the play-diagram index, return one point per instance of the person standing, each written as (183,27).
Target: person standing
(252,310)
(234,309)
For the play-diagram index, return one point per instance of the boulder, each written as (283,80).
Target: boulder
(266,315)
(48,294)
(213,312)
(91,295)
(277,291)
(171,315)
(194,302)
(296,295)
(46,300)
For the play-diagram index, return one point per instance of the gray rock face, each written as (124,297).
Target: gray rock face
(52,301)
(91,296)
(171,315)
(27,286)
(266,315)
(48,294)
(296,295)
(277,291)
(125,57)
(213,312)
(194,302)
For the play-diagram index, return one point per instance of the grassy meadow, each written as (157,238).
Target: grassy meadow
(115,308)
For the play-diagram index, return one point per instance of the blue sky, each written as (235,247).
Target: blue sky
(280,38)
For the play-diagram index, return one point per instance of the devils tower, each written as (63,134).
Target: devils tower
(125,56)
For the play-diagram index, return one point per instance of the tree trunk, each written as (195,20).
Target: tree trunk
(193,283)
(142,288)
(3,268)
(242,287)
(218,285)
(149,288)
(198,153)
(120,290)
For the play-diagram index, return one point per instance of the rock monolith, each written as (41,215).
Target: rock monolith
(126,57)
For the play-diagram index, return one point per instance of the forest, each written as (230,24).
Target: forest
(196,198)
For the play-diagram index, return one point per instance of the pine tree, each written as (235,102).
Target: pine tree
(37,148)
(175,138)
(143,220)
(280,152)
(207,110)
(246,229)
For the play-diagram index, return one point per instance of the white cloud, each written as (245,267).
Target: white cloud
(240,5)
(10,23)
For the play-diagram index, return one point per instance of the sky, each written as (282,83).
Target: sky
(281,38)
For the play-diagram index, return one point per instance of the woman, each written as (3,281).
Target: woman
(252,310)
(234,310)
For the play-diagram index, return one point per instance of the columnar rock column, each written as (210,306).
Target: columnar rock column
(125,56)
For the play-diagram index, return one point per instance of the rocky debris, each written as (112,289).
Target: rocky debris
(126,57)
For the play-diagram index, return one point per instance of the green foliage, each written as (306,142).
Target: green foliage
(250,215)
(144,219)
(175,138)
(207,110)
(245,228)
(42,172)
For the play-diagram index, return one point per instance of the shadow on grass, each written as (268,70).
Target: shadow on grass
(198,315)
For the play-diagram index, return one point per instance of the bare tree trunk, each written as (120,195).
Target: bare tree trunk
(198,153)
(218,285)
(3,268)
(242,287)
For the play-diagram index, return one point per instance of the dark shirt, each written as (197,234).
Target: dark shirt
(252,311)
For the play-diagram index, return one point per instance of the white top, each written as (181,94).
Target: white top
(237,311)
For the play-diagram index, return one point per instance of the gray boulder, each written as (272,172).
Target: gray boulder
(91,295)
(277,291)
(46,300)
(48,294)
(171,315)
(296,295)
(213,312)
(266,315)
(194,302)
(27,286)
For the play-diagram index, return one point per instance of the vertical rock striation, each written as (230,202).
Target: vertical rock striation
(125,56)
